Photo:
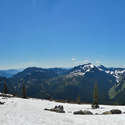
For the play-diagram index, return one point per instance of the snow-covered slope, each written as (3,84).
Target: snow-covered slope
(17,111)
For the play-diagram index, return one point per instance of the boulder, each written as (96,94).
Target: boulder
(95,106)
(58,109)
(85,112)
(2,103)
(116,111)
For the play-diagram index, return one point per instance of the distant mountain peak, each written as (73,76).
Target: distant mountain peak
(81,70)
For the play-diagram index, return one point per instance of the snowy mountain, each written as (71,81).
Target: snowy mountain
(63,84)
(18,111)
(68,84)
(81,70)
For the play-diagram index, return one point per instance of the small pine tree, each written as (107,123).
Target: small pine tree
(78,100)
(24,91)
(95,97)
(5,89)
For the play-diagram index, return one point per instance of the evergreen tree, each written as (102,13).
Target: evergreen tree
(24,91)
(78,100)
(95,97)
(5,89)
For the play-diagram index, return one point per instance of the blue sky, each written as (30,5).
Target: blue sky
(61,33)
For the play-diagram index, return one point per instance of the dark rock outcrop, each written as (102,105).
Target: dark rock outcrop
(116,111)
(113,111)
(58,109)
(85,112)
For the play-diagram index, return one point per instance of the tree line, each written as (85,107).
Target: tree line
(95,103)
(5,90)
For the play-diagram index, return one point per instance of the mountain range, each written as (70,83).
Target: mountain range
(8,73)
(69,84)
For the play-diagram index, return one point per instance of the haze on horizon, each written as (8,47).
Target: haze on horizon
(61,33)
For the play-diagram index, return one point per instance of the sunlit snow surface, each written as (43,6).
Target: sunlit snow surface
(17,111)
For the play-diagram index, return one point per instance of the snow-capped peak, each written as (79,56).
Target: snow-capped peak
(89,65)
(116,72)
(81,69)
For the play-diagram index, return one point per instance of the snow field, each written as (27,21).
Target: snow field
(17,111)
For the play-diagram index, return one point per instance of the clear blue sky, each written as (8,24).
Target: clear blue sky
(61,33)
